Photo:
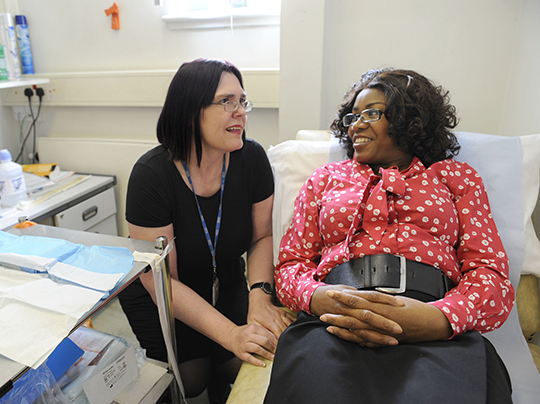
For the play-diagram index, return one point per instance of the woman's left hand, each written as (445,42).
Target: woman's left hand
(419,321)
(263,312)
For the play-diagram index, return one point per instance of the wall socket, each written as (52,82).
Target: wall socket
(19,112)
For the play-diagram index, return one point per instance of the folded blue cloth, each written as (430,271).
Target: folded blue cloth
(98,259)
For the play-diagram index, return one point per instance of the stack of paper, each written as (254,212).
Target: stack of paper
(43,296)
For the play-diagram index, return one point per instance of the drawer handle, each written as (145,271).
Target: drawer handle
(89,213)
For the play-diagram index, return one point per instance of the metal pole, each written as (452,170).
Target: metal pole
(161,244)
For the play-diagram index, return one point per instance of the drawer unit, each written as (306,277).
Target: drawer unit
(97,214)
(107,226)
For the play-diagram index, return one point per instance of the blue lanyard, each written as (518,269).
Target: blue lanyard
(211,245)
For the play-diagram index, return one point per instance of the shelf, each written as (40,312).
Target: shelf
(24,82)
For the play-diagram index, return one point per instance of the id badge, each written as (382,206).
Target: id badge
(215,290)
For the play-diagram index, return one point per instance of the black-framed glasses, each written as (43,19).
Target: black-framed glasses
(231,106)
(367,115)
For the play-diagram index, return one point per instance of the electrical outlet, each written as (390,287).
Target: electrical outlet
(52,94)
(19,112)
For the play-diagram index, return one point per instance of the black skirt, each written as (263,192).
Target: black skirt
(313,366)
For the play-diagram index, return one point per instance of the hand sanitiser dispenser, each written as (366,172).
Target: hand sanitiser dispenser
(12,185)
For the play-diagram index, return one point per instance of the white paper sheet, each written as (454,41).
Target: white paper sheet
(29,334)
(43,296)
(34,315)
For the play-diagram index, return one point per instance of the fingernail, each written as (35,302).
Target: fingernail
(323,318)
(330,293)
(330,330)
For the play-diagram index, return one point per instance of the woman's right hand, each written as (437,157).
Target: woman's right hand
(363,323)
(250,340)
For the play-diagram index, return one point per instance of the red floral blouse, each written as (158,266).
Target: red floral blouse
(438,215)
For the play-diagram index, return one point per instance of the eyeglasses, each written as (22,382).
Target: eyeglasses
(367,115)
(231,106)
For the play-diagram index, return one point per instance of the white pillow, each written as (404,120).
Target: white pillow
(510,168)
(314,135)
(293,161)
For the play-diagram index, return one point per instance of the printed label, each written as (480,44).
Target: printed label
(106,385)
(13,186)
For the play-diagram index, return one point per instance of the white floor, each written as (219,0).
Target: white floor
(112,320)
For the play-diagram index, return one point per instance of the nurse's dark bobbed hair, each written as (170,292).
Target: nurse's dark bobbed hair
(419,114)
(192,89)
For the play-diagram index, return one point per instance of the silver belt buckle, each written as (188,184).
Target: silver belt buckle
(402,279)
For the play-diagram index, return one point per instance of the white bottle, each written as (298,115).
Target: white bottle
(11,50)
(12,185)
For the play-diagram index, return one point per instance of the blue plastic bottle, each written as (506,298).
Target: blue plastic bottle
(23,40)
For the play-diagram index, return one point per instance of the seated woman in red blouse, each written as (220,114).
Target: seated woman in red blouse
(393,261)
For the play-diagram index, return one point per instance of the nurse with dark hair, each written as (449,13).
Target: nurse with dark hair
(210,189)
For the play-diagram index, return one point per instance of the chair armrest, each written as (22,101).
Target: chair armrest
(528,305)
(251,384)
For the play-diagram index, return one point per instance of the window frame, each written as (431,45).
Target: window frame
(222,17)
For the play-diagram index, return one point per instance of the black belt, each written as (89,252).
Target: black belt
(392,274)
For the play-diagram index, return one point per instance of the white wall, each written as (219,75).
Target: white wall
(301,67)
(484,51)
(76,36)
(522,100)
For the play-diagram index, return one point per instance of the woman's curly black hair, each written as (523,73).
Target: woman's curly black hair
(419,114)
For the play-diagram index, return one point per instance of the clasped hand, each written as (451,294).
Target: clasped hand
(375,319)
